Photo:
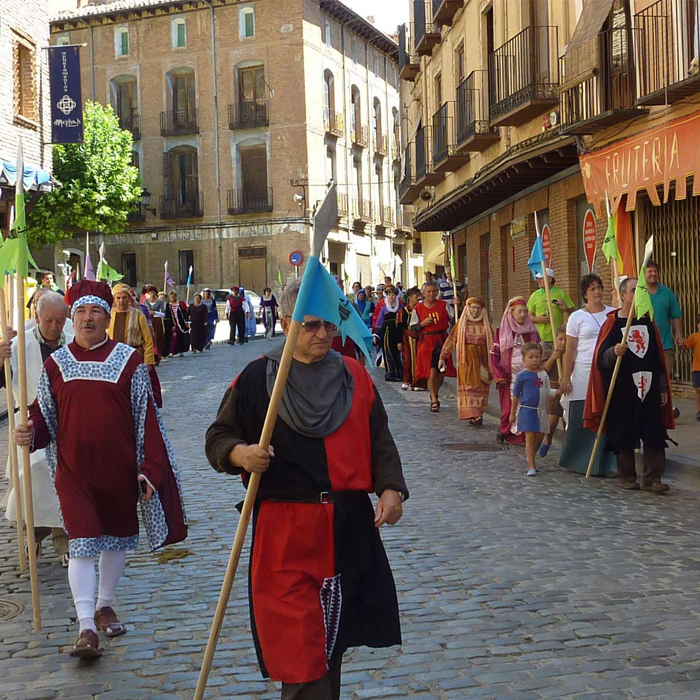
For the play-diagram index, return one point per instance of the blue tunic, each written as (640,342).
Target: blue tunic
(532,389)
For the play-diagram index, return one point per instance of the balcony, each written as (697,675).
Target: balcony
(446,157)
(386,218)
(427,34)
(334,123)
(403,220)
(408,188)
(250,201)
(524,77)
(445,10)
(176,207)
(606,94)
(131,121)
(396,148)
(360,136)
(179,122)
(138,213)
(381,144)
(473,129)
(409,63)
(342,205)
(251,114)
(666,60)
(364,212)
(425,175)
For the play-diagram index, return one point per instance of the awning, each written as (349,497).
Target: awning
(590,23)
(653,158)
(34,178)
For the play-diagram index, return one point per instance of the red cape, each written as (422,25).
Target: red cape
(596,394)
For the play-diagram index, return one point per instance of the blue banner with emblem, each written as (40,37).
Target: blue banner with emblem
(66,97)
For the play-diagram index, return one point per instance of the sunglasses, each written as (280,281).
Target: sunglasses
(315,326)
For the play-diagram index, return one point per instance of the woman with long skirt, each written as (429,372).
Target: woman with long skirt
(389,327)
(516,329)
(268,308)
(473,338)
(199,324)
(582,330)
(212,315)
(176,314)
(156,311)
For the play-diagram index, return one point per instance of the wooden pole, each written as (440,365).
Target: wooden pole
(26,466)
(14,469)
(616,371)
(247,511)
(616,299)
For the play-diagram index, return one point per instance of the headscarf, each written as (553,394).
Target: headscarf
(474,376)
(509,327)
(361,303)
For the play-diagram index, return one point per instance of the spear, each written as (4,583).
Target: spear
(324,221)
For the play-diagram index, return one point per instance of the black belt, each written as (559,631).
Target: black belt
(321,497)
(435,332)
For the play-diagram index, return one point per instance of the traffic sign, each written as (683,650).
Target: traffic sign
(589,238)
(296,258)
(547,245)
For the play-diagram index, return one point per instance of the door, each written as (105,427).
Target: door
(126,103)
(252,269)
(183,98)
(254,177)
(182,179)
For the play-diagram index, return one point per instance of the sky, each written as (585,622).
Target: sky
(388,14)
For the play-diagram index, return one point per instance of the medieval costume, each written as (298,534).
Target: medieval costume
(364,307)
(431,338)
(47,519)
(176,319)
(156,310)
(212,316)
(473,338)
(320,581)
(391,323)
(268,306)
(409,346)
(507,362)
(635,414)
(198,326)
(85,398)
(250,326)
(236,317)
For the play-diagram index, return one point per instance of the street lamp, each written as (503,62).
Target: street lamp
(145,200)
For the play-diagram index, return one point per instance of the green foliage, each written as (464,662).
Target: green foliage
(99,186)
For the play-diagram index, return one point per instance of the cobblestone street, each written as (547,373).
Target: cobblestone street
(509,587)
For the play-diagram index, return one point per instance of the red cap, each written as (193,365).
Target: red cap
(90,288)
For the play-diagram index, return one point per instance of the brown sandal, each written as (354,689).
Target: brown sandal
(87,646)
(108,622)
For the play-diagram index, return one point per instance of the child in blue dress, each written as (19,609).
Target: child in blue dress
(530,392)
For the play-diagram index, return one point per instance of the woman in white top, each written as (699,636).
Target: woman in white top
(582,331)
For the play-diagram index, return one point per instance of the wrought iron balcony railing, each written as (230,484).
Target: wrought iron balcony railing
(131,121)
(409,63)
(250,114)
(250,201)
(473,129)
(334,123)
(364,211)
(176,207)
(427,33)
(381,144)
(360,136)
(179,122)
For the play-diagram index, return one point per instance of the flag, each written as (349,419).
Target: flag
(642,299)
(320,296)
(610,241)
(624,238)
(536,257)
(169,281)
(104,271)
(189,276)
(346,276)
(279,277)
(89,270)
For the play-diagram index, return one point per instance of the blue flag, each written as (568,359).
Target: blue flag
(189,276)
(536,257)
(320,296)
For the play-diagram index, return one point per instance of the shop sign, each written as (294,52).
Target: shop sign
(66,99)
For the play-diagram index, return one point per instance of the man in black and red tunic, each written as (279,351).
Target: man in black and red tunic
(320,579)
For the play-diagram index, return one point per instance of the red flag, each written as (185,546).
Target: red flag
(625,241)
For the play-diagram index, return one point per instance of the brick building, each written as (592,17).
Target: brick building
(512,101)
(227,104)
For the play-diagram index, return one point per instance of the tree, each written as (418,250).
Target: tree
(99,186)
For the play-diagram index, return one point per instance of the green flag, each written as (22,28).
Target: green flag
(279,277)
(642,298)
(105,272)
(610,242)
(15,251)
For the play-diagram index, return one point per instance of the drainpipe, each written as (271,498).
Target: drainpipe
(92,56)
(216,142)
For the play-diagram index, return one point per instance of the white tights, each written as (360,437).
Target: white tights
(83,581)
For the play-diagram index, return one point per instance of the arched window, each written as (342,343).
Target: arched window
(328,92)
(396,126)
(356,109)
(183,116)
(181,182)
(377,120)
(125,102)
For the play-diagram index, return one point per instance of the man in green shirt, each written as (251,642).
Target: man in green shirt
(537,306)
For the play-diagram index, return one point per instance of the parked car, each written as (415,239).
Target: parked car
(220,295)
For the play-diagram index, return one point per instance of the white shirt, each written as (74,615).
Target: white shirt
(585,326)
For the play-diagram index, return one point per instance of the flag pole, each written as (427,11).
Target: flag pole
(614,268)
(14,468)
(549,301)
(165,279)
(608,398)
(324,220)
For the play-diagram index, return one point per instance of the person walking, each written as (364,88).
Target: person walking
(409,340)
(236,316)
(320,581)
(472,337)
(390,326)
(105,444)
(199,324)
(268,307)
(640,410)
(250,326)
(582,330)
(364,307)
(156,310)
(516,329)
(176,314)
(539,309)
(212,315)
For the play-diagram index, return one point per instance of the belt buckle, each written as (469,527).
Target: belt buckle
(324,497)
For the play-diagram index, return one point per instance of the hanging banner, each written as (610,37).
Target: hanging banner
(589,238)
(547,245)
(66,97)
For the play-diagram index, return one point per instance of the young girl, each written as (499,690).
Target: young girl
(554,409)
(530,392)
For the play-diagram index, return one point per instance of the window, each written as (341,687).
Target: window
(377,121)
(459,64)
(438,91)
(380,189)
(181,177)
(254,177)
(124,91)
(62,39)
(186,259)
(357,167)
(330,163)
(121,41)
(183,95)
(327,32)
(328,93)
(135,159)
(355,50)
(179,32)
(396,125)
(129,268)
(356,109)
(246,22)
(251,84)
(26,103)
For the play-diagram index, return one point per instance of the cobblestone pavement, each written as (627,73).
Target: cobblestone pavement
(510,587)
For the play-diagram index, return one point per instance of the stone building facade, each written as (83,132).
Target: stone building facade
(225,139)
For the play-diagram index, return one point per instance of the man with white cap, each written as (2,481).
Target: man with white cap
(539,310)
(106,447)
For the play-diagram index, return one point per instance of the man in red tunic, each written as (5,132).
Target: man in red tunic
(431,321)
(106,448)
(320,581)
